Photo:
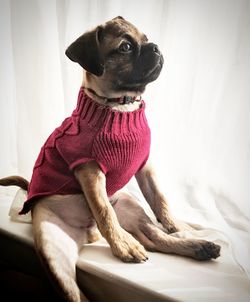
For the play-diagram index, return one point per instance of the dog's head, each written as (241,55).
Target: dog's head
(117,57)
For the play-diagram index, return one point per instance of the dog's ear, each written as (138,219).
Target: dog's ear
(118,17)
(85,51)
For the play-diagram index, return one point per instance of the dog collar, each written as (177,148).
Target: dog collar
(123,100)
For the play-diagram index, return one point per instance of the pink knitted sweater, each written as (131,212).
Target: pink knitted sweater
(118,141)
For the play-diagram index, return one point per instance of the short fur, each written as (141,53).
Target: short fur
(61,224)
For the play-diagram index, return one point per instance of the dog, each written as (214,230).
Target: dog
(75,194)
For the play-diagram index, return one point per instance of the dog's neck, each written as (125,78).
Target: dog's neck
(126,102)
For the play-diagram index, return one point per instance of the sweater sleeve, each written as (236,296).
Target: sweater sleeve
(75,144)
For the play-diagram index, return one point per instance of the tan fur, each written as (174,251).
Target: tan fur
(148,184)
(62,224)
(123,245)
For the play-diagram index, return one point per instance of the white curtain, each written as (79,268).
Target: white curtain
(199,108)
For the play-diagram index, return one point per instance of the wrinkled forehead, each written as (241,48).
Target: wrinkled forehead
(119,29)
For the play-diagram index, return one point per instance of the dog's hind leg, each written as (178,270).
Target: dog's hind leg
(57,245)
(134,220)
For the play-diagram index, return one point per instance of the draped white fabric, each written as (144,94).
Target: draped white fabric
(199,108)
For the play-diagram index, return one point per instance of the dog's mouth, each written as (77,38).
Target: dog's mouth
(139,81)
(153,74)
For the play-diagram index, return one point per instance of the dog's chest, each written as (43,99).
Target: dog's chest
(123,150)
(121,156)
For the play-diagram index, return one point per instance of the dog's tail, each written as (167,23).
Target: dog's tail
(15,181)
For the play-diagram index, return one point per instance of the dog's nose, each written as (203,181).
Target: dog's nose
(156,49)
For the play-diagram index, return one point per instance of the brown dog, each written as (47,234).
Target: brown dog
(118,63)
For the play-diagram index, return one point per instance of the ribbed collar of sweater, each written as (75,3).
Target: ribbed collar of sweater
(97,116)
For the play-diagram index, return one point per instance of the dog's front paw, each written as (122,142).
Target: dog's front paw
(178,226)
(127,248)
(169,225)
(171,228)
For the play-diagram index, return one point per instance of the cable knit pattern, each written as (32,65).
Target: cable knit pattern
(118,141)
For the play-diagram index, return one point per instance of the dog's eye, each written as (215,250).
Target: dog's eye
(125,47)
